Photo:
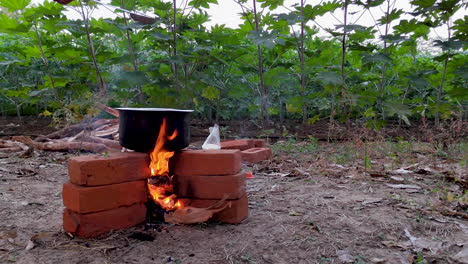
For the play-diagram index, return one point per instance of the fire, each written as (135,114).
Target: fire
(160,186)
(159,156)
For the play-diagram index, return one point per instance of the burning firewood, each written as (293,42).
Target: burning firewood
(194,215)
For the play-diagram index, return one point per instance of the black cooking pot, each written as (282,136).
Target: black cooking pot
(139,128)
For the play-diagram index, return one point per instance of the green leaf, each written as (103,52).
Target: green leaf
(351,27)
(313,120)
(294,104)
(271,4)
(210,93)
(264,38)
(161,36)
(423,3)
(449,44)
(8,62)
(462,71)
(460,93)
(290,18)
(14,5)
(460,26)
(202,3)
(396,108)
(134,77)
(413,26)
(311,12)
(392,16)
(164,69)
(128,4)
(442,57)
(275,76)
(394,38)
(329,78)
(362,34)
(370,3)
(376,58)
(11,25)
(359,47)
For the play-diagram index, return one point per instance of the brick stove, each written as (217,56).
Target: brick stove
(109,192)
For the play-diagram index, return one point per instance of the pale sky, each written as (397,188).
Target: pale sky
(227,12)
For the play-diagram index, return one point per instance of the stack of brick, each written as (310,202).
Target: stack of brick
(204,177)
(252,150)
(105,193)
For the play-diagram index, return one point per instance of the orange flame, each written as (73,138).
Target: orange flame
(159,156)
(159,166)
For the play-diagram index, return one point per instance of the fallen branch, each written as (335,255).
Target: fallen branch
(75,129)
(108,142)
(108,109)
(454,213)
(61,145)
(112,131)
(12,144)
(10,150)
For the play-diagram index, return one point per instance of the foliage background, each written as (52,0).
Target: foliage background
(273,67)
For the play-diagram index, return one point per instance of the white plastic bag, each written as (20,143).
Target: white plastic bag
(213,141)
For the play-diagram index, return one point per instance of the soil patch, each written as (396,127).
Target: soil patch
(311,203)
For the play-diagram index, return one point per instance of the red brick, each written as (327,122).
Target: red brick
(210,187)
(255,155)
(240,144)
(206,162)
(94,224)
(259,143)
(84,200)
(233,214)
(94,170)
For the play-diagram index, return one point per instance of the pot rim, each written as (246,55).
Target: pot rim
(154,109)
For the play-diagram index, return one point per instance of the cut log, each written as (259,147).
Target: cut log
(111,131)
(108,109)
(108,142)
(75,129)
(12,144)
(10,150)
(62,145)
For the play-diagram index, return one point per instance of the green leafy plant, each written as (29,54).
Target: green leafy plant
(273,67)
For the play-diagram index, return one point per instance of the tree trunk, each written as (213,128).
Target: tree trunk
(343,58)
(384,68)
(174,39)
(46,62)
(263,89)
(302,60)
(101,84)
(442,82)
(131,51)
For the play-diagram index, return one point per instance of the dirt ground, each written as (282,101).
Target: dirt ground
(313,202)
